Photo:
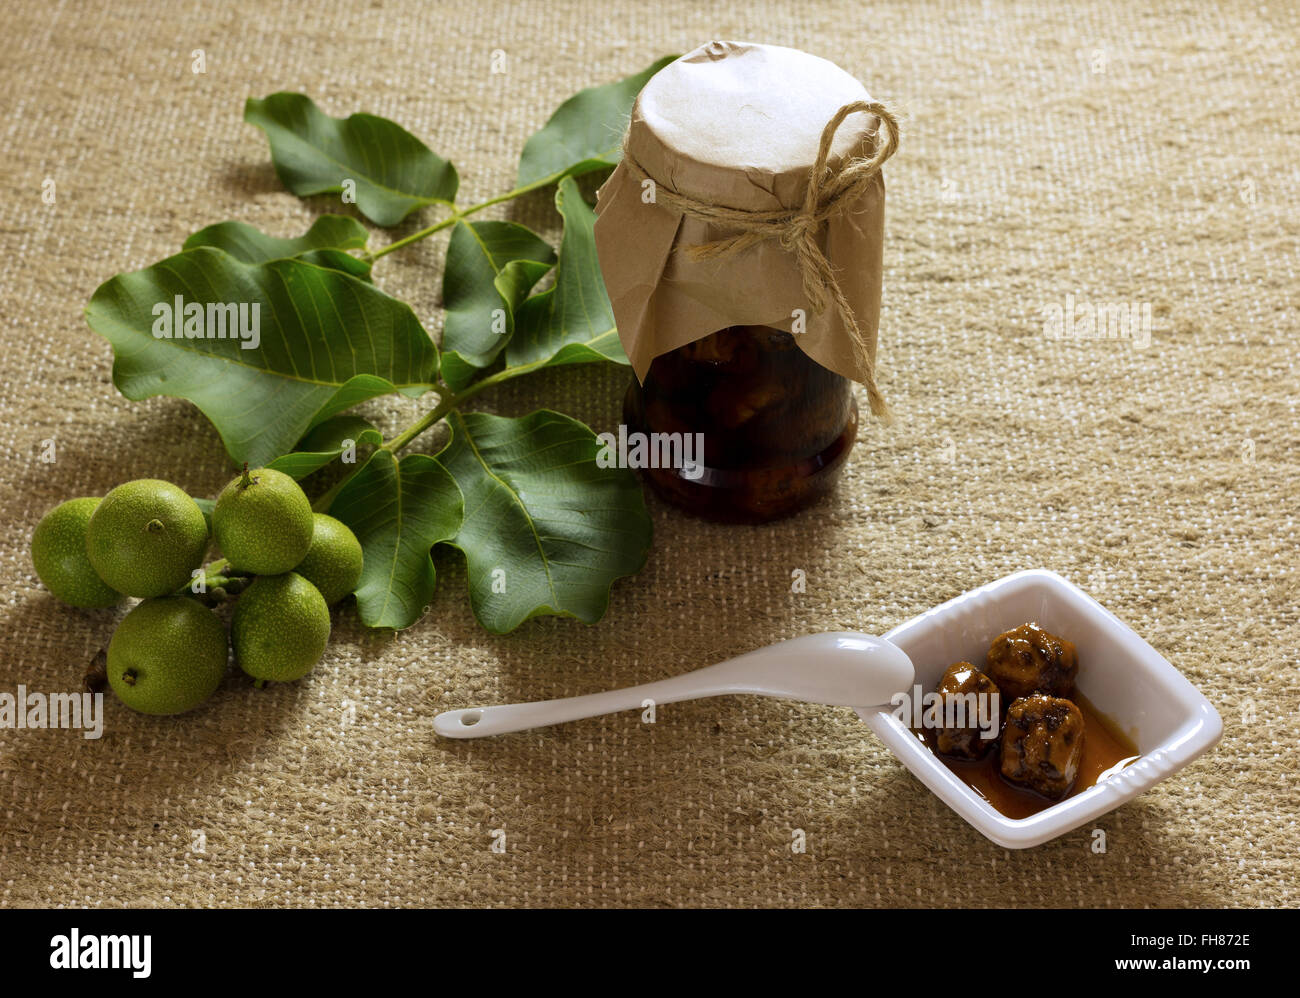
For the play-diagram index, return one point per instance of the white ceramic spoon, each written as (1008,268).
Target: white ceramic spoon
(841,668)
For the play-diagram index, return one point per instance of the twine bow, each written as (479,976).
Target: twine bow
(829,193)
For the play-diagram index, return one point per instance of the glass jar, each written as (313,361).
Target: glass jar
(776,426)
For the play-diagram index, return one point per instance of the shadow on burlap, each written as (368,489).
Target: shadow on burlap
(1115,154)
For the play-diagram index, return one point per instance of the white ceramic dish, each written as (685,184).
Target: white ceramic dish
(1124,677)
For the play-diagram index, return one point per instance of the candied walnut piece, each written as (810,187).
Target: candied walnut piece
(734,406)
(961,688)
(1028,659)
(1042,743)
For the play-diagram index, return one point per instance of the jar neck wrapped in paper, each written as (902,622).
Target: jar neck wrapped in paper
(689,246)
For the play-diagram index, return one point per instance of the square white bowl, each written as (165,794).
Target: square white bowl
(1123,676)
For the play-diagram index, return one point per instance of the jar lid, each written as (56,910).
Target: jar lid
(709,220)
(739,123)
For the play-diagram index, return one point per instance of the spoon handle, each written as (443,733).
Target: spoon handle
(841,668)
(479,722)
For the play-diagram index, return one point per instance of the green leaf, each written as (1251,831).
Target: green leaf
(395,173)
(206,506)
(332,259)
(252,245)
(546,530)
(324,244)
(326,442)
(572,321)
(586,131)
(331,434)
(327,342)
(398,510)
(491,267)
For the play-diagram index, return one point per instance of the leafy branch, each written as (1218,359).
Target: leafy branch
(276,340)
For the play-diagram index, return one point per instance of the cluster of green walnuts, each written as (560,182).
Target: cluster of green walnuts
(149,539)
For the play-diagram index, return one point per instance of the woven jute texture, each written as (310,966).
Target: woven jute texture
(1120,153)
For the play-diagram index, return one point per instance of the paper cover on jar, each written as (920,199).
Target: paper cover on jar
(738,125)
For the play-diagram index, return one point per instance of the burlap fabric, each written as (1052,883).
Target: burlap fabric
(1118,153)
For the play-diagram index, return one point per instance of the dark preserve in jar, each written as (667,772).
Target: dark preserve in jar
(776,426)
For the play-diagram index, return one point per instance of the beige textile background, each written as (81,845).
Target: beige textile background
(1121,152)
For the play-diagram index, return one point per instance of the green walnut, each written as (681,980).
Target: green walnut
(280,628)
(146,538)
(59,556)
(333,562)
(167,656)
(263,522)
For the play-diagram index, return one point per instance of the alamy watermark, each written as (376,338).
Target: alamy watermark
(23,710)
(935,711)
(1086,320)
(181,320)
(92,951)
(684,451)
